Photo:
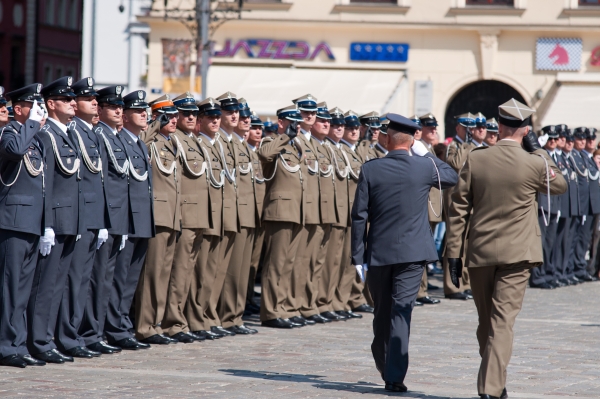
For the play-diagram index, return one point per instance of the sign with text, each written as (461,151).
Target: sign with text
(275,49)
(379,52)
(558,54)
(423,97)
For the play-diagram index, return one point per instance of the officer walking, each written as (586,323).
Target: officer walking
(510,223)
(24,205)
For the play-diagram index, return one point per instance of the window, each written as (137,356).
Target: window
(47,74)
(59,72)
(589,2)
(490,2)
(50,12)
(62,13)
(73,23)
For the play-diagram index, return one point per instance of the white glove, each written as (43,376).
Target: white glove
(419,148)
(78,237)
(543,139)
(123,240)
(361,269)
(102,237)
(37,113)
(47,241)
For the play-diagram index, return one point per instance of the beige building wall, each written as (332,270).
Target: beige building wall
(451,44)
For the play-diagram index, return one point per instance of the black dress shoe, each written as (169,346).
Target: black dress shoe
(395,387)
(142,345)
(432,287)
(278,323)
(418,303)
(50,356)
(341,316)
(32,361)
(208,334)
(195,337)
(236,330)
(130,344)
(13,361)
(484,396)
(66,358)
(317,318)
(221,330)
(585,278)
(292,323)
(331,316)
(468,292)
(252,330)
(364,308)
(104,348)
(428,300)
(544,286)
(349,314)
(558,283)
(458,295)
(183,337)
(82,352)
(504,394)
(156,339)
(574,280)
(171,340)
(299,320)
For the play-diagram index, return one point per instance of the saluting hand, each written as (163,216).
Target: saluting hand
(164,120)
(455,267)
(530,142)
(292,130)
(36,113)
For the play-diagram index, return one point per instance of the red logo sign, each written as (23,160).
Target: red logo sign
(596,56)
(559,55)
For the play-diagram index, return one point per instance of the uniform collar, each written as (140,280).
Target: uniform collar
(228,136)
(306,134)
(381,148)
(239,137)
(62,127)
(114,131)
(253,148)
(133,136)
(352,146)
(88,125)
(459,139)
(211,141)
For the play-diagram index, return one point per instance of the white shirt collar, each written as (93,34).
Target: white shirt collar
(306,134)
(114,131)
(352,146)
(133,136)
(239,137)
(62,127)
(316,139)
(253,148)
(227,135)
(589,154)
(88,125)
(459,139)
(559,152)
(211,141)
(476,143)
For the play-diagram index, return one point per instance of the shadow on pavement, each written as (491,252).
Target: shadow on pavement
(317,382)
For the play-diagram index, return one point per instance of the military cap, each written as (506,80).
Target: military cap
(185,102)
(480,120)
(590,133)
(562,130)
(428,120)
(11,110)
(2,99)
(492,125)
(210,106)
(351,119)
(110,95)
(84,87)
(270,127)
(244,108)
(255,120)
(28,93)
(466,120)
(290,113)
(306,103)
(569,135)
(580,132)
(135,100)
(323,111)
(401,124)
(515,114)
(229,102)
(384,126)
(371,119)
(551,131)
(59,88)
(163,105)
(337,116)
(416,120)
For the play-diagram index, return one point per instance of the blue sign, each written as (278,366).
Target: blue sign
(379,52)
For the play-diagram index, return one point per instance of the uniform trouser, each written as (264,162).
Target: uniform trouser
(187,250)
(581,244)
(202,283)
(347,276)
(225,253)
(153,286)
(394,289)
(424,283)
(232,302)
(359,292)
(498,293)
(18,254)
(560,255)
(282,240)
(259,239)
(75,295)
(330,273)
(310,293)
(49,283)
(465,284)
(545,272)
(130,261)
(91,328)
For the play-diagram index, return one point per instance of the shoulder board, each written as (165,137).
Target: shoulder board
(71,125)
(483,147)
(45,128)
(98,130)
(267,138)
(372,159)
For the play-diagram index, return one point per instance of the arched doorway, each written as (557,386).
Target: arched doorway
(483,96)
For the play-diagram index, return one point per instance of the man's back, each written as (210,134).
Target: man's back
(500,184)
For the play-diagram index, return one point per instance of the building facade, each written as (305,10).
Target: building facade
(406,56)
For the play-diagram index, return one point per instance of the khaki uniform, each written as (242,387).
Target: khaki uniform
(206,266)
(505,242)
(233,295)
(284,214)
(194,219)
(260,186)
(365,149)
(153,286)
(379,151)
(456,156)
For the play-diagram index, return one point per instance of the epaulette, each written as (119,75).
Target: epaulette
(45,128)
(98,130)
(263,139)
(372,159)
(481,147)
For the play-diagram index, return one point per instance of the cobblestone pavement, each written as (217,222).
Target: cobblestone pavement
(556,355)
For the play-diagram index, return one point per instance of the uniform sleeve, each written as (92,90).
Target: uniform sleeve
(360,216)
(444,174)
(549,172)
(148,135)
(457,155)
(49,165)
(459,212)
(13,145)
(271,148)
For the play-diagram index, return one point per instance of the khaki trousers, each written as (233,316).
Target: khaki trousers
(259,240)
(187,250)
(201,283)
(498,292)
(233,295)
(281,245)
(347,276)
(330,273)
(153,286)
(423,287)
(224,257)
(359,294)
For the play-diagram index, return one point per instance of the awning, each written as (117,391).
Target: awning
(574,104)
(269,88)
